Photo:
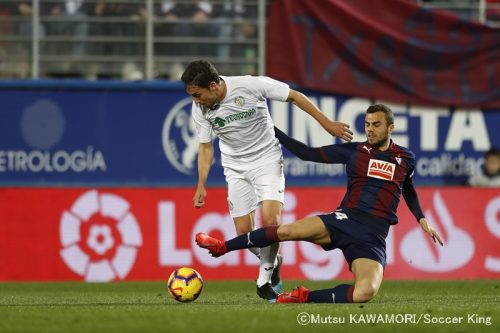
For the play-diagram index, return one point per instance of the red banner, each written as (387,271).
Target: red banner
(143,234)
(384,50)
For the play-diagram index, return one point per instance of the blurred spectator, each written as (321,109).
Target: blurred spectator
(184,19)
(73,24)
(236,21)
(119,22)
(120,30)
(25,28)
(490,175)
(25,11)
(238,24)
(6,29)
(227,15)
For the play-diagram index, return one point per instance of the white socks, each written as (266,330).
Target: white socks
(255,250)
(267,263)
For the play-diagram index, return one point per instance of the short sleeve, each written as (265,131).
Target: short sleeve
(273,89)
(202,125)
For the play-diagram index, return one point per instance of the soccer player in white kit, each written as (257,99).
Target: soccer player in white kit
(234,109)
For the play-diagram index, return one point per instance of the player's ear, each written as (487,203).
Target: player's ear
(390,128)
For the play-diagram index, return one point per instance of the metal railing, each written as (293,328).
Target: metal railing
(140,39)
(486,12)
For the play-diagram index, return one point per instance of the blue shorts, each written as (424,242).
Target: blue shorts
(357,234)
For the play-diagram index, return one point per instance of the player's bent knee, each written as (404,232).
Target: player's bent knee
(269,222)
(364,294)
(284,232)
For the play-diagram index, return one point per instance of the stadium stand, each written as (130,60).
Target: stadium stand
(95,39)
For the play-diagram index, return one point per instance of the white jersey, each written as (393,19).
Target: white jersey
(242,121)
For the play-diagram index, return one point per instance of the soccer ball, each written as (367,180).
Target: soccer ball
(185,284)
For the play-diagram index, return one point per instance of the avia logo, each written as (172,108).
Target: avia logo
(381,169)
(99,237)
(419,249)
(180,143)
(219,122)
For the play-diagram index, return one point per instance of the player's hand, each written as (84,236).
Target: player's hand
(199,197)
(340,130)
(430,231)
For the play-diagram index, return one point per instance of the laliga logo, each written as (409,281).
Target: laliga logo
(181,154)
(100,237)
(458,250)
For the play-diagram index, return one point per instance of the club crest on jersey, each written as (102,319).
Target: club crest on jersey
(381,169)
(239,100)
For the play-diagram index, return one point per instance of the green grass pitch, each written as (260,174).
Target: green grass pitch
(232,306)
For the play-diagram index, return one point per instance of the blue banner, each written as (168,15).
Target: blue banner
(55,133)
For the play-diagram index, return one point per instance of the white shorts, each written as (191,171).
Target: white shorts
(246,189)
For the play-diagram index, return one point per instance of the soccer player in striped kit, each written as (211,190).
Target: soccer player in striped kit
(378,172)
(234,109)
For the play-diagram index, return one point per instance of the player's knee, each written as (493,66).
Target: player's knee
(242,229)
(284,232)
(364,293)
(270,220)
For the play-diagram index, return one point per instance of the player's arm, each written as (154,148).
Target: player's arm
(205,158)
(299,149)
(411,198)
(330,154)
(335,128)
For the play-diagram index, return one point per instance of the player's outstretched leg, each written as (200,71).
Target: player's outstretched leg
(258,238)
(298,295)
(340,294)
(215,246)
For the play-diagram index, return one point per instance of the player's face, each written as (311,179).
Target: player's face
(203,96)
(376,129)
(492,165)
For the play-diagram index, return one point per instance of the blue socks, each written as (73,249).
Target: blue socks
(339,294)
(269,235)
(261,237)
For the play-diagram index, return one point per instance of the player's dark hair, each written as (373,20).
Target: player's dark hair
(389,115)
(492,152)
(200,73)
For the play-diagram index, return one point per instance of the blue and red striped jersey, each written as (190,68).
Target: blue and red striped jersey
(375,179)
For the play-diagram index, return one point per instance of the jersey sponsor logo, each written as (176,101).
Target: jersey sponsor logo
(221,122)
(381,169)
